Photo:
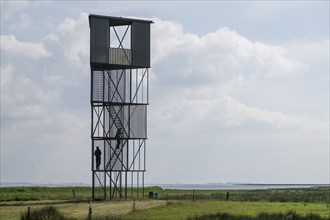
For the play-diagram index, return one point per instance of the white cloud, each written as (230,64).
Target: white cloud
(13,47)
(168,38)
(218,56)
(229,112)
(6,74)
(237,113)
(74,37)
(206,69)
(197,121)
(43,86)
(315,54)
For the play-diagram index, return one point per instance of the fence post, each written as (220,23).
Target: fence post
(90,210)
(193,195)
(73,194)
(227,196)
(28,213)
(133,204)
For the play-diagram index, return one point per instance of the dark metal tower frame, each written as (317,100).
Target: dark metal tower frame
(119,100)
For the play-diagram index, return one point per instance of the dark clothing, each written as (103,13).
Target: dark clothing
(118,136)
(97,154)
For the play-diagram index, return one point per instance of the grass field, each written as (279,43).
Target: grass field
(185,209)
(171,204)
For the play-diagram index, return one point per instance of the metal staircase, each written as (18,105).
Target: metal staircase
(113,159)
(117,119)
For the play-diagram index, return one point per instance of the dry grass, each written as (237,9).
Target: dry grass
(80,210)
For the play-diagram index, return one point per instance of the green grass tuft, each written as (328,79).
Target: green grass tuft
(110,217)
(45,213)
(261,216)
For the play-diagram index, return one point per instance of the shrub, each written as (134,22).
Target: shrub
(46,213)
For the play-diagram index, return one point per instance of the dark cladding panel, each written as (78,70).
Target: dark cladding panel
(100,40)
(141,44)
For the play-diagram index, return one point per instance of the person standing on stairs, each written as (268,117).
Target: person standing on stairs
(97,154)
(118,136)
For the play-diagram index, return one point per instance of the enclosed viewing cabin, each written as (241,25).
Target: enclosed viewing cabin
(109,50)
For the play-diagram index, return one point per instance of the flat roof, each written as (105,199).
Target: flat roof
(119,21)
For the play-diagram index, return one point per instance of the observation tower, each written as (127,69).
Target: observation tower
(120,62)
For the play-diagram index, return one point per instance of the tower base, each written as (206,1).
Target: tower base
(110,185)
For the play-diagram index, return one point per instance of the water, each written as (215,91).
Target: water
(234,186)
(208,186)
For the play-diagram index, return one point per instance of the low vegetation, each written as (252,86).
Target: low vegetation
(185,209)
(261,216)
(52,213)
(71,203)
(307,195)
(45,213)
(38,193)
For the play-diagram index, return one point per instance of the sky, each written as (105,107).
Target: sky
(239,90)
